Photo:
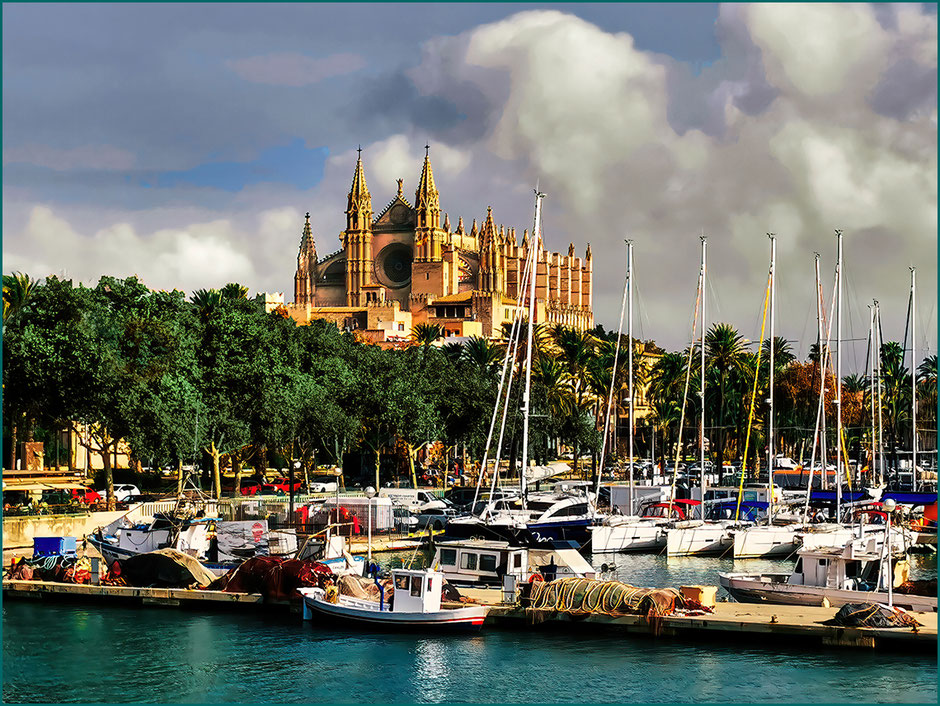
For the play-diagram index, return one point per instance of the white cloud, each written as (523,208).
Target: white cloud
(292,69)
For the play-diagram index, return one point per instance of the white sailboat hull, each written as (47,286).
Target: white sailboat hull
(774,589)
(756,542)
(627,537)
(704,539)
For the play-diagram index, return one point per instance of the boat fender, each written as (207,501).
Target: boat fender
(536,577)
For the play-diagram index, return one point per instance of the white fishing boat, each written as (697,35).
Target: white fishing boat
(857,572)
(180,530)
(700,538)
(414,604)
(481,562)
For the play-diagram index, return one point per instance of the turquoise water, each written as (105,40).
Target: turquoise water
(69,653)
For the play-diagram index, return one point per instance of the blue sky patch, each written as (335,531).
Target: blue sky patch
(286,164)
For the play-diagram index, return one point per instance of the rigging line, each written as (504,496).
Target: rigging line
(716,304)
(489,438)
(685,395)
(907,321)
(613,378)
(750,417)
(637,295)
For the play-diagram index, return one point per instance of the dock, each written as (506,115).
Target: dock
(738,623)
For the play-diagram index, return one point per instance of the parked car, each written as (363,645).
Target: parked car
(252,487)
(404,520)
(124,493)
(436,518)
(86,496)
(282,485)
(323,484)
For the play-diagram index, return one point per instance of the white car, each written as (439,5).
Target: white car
(322,484)
(123,493)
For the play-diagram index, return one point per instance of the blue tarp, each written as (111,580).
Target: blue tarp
(910,498)
(830,496)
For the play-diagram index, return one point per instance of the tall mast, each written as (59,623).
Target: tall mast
(701,425)
(630,364)
(881,448)
(913,380)
(871,385)
(839,377)
(533,250)
(770,397)
(610,392)
(823,360)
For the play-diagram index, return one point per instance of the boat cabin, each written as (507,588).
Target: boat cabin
(676,510)
(417,591)
(477,561)
(855,567)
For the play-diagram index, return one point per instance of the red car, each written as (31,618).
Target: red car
(282,485)
(252,487)
(87,496)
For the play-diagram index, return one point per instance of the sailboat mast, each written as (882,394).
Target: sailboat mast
(881,448)
(871,385)
(913,380)
(630,365)
(823,360)
(613,380)
(770,396)
(701,424)
(839,377)
(536,234)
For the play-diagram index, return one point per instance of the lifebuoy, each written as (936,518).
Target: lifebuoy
(536,577)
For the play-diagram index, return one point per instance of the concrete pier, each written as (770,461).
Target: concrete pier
(739,623)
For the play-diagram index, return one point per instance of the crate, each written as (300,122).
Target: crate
(55,546)
(703,594)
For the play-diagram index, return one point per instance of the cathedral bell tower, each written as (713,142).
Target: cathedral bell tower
(305,278)
(357,238)
(429,272)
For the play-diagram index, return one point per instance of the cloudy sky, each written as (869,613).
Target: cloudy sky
(183,143)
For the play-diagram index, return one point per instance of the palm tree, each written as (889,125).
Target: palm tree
(482,353)
(575,352)
(454,352)
(17,289)
(206,301)
(727,356)
(550,373)
(855,383)
(927,399)
(783,353)
(426,334)
(896,393)
(233,290)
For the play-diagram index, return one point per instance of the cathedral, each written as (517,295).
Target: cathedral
(405,265)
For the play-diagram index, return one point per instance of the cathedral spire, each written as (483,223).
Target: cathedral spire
(489,228)
(427,198)
(447,222)
(473,229)
(359,203)
(460,229)
(305,277)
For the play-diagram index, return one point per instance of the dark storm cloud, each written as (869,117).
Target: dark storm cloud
(906,87)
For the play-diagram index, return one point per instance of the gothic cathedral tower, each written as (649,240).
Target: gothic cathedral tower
(305,279)
(358,237)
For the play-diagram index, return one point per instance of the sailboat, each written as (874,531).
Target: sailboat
(628,533)
(706,535)
(539,519)
(767,539)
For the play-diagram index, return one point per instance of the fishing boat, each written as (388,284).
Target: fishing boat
(182,529)
(855,573)
(414,604)
(480,562)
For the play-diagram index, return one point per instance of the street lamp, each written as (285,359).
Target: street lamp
(370,493)
(889,506)
(294,467)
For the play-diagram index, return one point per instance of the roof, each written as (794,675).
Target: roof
(490,544)
(453,298)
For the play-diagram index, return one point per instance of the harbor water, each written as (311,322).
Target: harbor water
(56,652)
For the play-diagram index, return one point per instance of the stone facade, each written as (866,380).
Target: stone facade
(405,266)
